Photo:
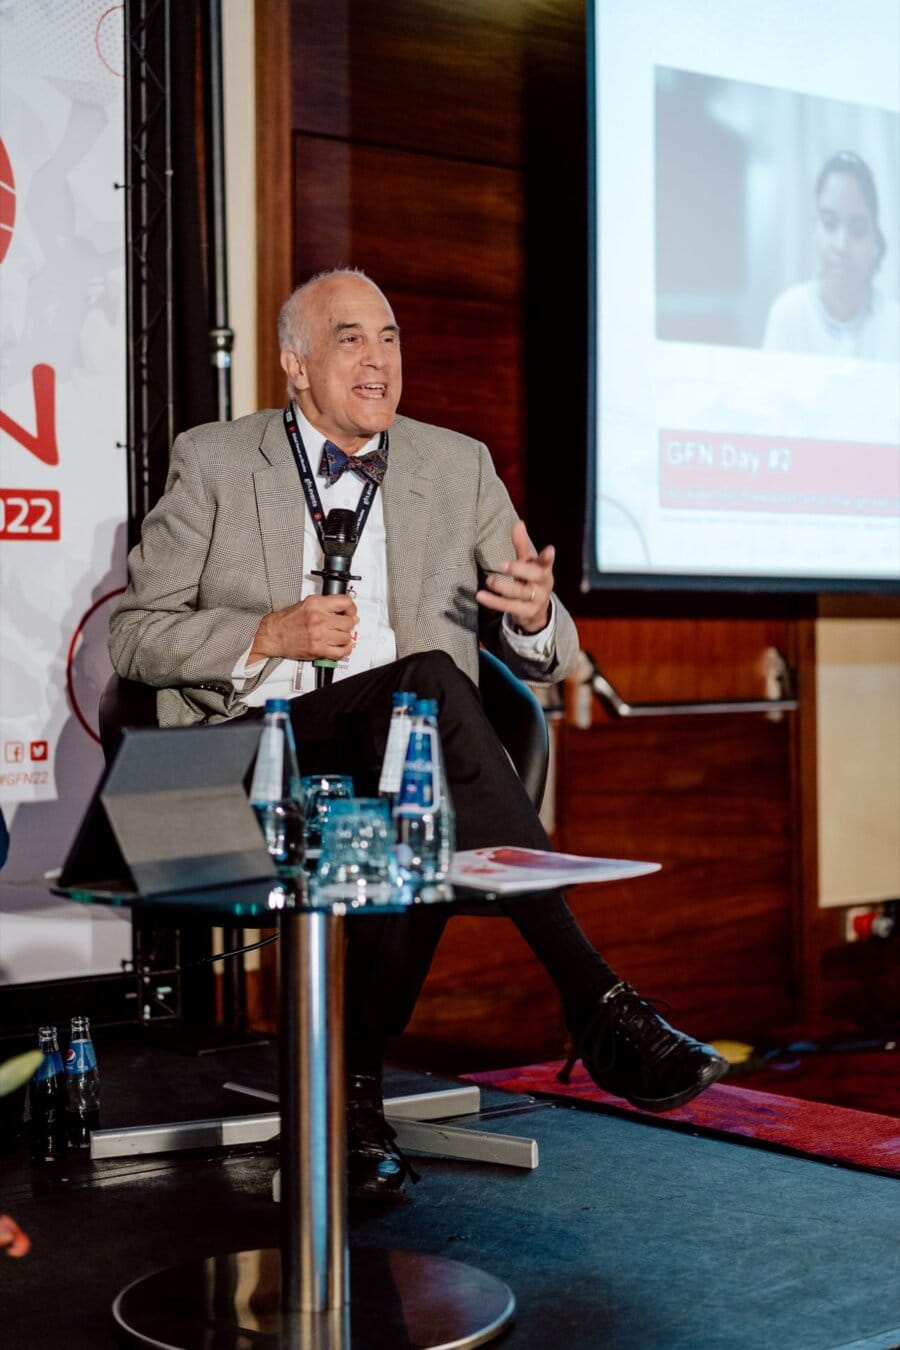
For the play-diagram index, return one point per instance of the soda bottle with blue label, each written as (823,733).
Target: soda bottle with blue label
(82,1084)
(47,1102)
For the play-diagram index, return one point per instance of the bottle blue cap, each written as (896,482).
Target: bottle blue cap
(403,700)
(277,705)
(426,707)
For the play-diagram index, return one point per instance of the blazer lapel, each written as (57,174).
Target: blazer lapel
(281,511)
(407,506)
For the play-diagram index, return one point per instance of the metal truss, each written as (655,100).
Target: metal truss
(149,245)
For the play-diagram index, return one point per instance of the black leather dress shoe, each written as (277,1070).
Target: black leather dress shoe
(629,1050)
(376,1168)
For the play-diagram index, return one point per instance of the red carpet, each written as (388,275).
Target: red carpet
(812,1129)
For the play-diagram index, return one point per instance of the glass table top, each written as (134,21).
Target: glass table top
(264,898)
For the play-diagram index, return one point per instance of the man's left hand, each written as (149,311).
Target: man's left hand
(522,588)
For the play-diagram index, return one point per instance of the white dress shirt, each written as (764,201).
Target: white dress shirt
(374,642)
(799,322)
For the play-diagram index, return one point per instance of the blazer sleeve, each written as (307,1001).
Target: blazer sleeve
(162,633)
(496,516)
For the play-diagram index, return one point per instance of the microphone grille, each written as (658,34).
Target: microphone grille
(339,537)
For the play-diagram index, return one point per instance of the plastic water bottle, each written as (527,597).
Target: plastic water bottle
(82,1084)
(395,750)
(275,788)
(424,818)
(47,1102)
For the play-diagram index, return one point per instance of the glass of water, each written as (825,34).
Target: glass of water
(358,860)
(318,793)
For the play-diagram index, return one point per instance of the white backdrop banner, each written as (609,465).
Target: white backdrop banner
(63,469)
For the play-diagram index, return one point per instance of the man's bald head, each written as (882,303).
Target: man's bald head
(299,311)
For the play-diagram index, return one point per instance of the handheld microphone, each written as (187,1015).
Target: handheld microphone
(339,540)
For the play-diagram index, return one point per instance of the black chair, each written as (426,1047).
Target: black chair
(423,1121)
(124,703)
(518,719)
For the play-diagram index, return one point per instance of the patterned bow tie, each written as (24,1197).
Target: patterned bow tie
(334,462)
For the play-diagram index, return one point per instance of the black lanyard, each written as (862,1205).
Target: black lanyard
(308,481)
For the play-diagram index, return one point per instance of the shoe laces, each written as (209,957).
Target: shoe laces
(619,1007)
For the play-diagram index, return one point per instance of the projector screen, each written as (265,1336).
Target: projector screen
(744,428)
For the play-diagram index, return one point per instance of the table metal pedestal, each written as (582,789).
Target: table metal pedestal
(311,1295)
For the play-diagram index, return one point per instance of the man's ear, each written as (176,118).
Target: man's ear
(294,368)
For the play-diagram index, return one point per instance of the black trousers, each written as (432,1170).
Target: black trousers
(343,729)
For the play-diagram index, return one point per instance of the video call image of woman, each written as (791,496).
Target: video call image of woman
(841,311)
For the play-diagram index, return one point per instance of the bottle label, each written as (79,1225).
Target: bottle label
(267,773)
(416,792)
(421,784)
(394,755)
(50,1065)
(427,756)
(81,1057)
(436,761)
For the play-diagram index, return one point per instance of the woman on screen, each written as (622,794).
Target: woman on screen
(840,312)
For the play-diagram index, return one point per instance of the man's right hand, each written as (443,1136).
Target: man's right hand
(319,626)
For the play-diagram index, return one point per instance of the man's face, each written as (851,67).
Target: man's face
(348,383)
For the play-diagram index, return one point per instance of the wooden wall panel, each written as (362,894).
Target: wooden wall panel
(274,189)
(711,931)
(462,368)
(433,227)
(447,79)
(487,1002)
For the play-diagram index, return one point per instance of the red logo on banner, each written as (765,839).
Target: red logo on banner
(7,201)
(42,441)
(28,513)
(13,752)
(40,751)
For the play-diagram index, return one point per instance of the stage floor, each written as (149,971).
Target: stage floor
(626,1236)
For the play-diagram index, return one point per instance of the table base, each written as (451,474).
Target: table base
(233,1302)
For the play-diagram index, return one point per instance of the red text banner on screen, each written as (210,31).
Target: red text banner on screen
(714,470)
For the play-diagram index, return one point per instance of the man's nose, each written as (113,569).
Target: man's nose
(374,355)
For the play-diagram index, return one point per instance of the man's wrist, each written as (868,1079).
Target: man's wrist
(261,648)
(533,632)
(539,644)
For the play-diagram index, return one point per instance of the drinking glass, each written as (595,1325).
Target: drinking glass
(358,860)
(319,792)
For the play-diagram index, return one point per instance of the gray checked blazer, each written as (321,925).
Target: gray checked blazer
(224,546)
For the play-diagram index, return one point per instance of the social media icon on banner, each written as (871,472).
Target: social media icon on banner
(13,752)
(40,751)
